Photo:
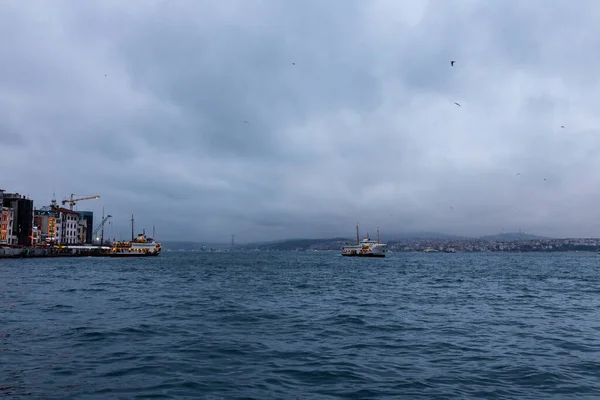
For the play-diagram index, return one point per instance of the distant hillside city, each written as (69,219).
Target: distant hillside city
(430,242)
(494,243)
(21,225)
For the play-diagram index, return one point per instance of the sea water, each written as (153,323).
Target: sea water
(293,325)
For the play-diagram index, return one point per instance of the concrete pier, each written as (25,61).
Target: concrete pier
(59,251)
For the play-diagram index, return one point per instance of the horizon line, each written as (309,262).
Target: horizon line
(405,236)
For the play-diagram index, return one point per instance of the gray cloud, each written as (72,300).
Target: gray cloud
(144,103)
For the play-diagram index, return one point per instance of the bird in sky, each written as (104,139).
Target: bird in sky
(562,126)
(452,63)
(457,104)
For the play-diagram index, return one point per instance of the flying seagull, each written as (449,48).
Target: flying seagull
(518,173)
(562,126)
(245,122)
(457,104)
(293,63)
(452,63)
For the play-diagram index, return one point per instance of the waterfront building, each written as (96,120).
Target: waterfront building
(22,217)
(6,226)
(81,230)
(66,225)
(88,217)
(45,220)
(35,236)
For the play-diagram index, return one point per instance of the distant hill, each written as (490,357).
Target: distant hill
(338,242)
(418,235)
(513,236)
(179,245)
(299,244)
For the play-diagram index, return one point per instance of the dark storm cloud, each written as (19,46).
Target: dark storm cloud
(221,72)
(144,103)
(9,136)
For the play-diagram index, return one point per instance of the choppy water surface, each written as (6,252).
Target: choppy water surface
(301,325)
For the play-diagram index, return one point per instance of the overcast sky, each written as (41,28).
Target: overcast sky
(144,103)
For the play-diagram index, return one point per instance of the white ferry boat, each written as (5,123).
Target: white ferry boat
(142,246)
(139,247)
(366,247)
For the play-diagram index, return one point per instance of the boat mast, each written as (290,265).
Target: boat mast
(378,240)
(132,227)
(153,231)
(357,237)
(102,234)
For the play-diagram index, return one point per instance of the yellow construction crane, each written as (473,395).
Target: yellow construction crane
(72,200)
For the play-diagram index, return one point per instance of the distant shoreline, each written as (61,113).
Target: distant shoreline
(445,245)
(461,245)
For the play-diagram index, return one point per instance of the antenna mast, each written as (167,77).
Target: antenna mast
(378,238)
(357,237)
(132,237)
